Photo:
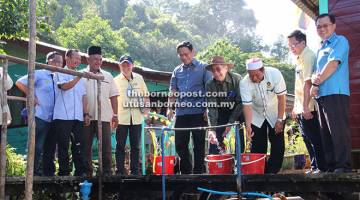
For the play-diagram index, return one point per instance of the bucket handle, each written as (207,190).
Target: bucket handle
(219,160)
(253,161)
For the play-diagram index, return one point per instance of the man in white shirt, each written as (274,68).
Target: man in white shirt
(70,115)
(263,94)
(109,109)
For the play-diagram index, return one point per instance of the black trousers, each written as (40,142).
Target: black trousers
(259,145)
(223,118)
(333,115)
(182,139)
(122,132)
(310,131)
(64,128)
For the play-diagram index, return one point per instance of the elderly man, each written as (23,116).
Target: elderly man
(109,107)
(304,107)
(225,82)
(189,77)
(132,94)
(44,103)
(263,93)
(70,115)
(330,85)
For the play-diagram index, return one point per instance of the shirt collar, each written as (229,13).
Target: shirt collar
(88,69)
(123,77)
(330,39)
(227,79)
(301,56)
(192,64)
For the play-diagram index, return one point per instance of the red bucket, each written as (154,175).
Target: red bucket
(170,162)
(253,163)
(220,164)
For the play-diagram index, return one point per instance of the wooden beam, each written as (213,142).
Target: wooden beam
(52,68)
(4,105)
(31,102)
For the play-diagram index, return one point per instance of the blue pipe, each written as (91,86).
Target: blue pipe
(238,157)
(254,194)
(85,189)
(163,163)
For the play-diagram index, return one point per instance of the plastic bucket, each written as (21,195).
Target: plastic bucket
(253,163)
(220,164)
(170,162)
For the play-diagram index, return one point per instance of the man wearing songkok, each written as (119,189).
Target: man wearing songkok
(109,106)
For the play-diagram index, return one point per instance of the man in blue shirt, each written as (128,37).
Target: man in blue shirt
(44,103)
(330,86)
(188,81)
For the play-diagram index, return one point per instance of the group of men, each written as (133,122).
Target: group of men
(66,111)
(321,104)
(66,107)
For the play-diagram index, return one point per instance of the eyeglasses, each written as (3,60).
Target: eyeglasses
(291,46)
(325,26)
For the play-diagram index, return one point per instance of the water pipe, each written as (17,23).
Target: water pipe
(85,189)
(249,194)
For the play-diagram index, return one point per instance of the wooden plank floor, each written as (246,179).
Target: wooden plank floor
(298,183)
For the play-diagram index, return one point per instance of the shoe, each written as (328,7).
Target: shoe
(316,171)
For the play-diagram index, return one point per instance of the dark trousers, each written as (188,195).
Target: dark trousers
(42,129)
(223,118)
(48,156)
(182,139)
(122,132)
(89,134)
(333,115)
(310,131)
(64,128)
(277,142)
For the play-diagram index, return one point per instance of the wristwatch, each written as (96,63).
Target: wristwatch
(115,115)
(279,120)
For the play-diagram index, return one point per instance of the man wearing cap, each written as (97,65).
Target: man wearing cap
(263,94)
(131,108)
(304,106)
(224,82)
(189,78)
(109,106)
(70,115)
(44,89)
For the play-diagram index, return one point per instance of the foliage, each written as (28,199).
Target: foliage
(294,143)
(14,18)
(92,31)
(15,163)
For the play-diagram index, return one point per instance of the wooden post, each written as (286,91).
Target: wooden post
(3,131)
(100,140)
(30,101)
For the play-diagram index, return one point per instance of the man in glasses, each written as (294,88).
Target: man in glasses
(330,86)
(263,94)
(109,107)
(228,107)
(188,79)
(304,106)
(44,104)
(132,100)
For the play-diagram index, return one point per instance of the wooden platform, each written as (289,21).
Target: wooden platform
(296,183)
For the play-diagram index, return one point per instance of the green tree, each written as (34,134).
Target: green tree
(279,49)
(92,31)
(14,18)
(113,10)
